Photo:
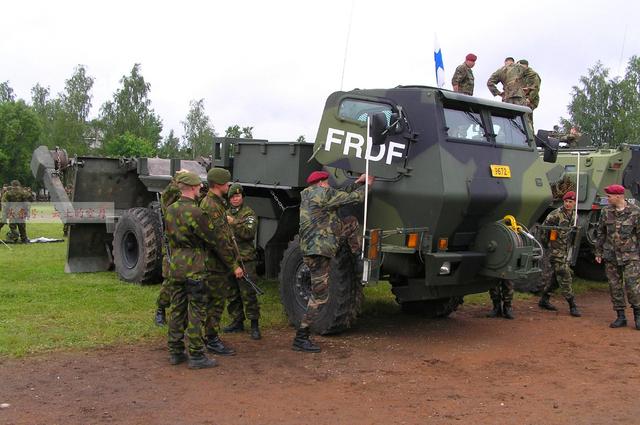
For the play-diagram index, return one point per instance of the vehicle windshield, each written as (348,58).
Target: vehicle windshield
(464,125)
(509,130)
(359,110)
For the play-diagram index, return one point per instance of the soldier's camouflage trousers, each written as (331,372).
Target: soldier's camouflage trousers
(164,296)
(348,231)
(17,231)
(503,291)
(218,285)
(560,277)
(242,299)
(319,268)
(621,277)
(189,299)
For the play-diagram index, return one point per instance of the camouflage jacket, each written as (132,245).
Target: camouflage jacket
(559,248)
(17,194)
(169,195)
(463,78)
(512,79)
(222,257)
(244,229)
(532,81)
(189,231)
(319,219)
(618,235)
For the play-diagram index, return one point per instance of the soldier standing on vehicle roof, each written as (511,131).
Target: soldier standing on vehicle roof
(463,80)
(531,89)
(321,233)
(169,195)
(243,298)
(560,276)
(189,231)
(221,260)
(511,76)
(618,244)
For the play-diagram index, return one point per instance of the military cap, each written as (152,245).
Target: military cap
(316,176)
(218,176)
(15,183)
(234,189)
(524,62)
(614,189)
(471,57)
(569,195)
(188,178)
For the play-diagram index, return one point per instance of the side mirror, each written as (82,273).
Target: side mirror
(378,128)
(551,150)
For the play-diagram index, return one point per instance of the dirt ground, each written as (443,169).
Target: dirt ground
(542,368)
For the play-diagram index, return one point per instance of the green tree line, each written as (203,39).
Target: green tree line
(126,124)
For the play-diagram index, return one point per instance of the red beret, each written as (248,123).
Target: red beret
(569,195)
(316,176)
(614,189)
(471,57)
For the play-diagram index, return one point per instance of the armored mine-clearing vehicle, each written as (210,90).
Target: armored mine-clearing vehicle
(458,181)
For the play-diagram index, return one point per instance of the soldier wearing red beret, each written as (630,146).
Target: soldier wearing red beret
(559,272)
(463,79)
(618,243)
(321,233)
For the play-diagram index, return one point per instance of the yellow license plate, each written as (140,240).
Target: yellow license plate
(502,171)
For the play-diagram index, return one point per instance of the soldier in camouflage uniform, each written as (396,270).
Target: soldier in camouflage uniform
(189,231)
(17,226)
(502,299)
(511,76)
(463,80)
(242,297)
(618,244)
(170,195)
(531,89)
(221,260)
(559,243)
(321,232)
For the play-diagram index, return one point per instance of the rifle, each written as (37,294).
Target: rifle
(165,238)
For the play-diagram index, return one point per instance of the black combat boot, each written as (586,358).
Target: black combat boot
(234,327)
(620,321)
(573,308)
(507,311)
(161,316)
(255,329)
(497,309)
(301,342)
(215,345)
(636,316)
(545,304)
(201,362)
(176,359)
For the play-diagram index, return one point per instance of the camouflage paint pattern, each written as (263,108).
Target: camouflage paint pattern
(424,178)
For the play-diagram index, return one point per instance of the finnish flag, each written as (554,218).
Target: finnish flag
(437,57)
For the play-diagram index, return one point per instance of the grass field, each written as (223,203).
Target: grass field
(43,309)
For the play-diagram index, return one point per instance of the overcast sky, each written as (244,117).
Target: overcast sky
(272,64)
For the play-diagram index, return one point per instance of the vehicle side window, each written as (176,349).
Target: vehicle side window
(359,110)
(509,130)
(464,125)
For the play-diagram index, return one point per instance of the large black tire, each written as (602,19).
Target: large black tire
(345,290)
(438,308)
(137,246)
(588,269)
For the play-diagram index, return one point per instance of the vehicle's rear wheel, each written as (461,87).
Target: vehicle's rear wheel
(345,291)
(137,246)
